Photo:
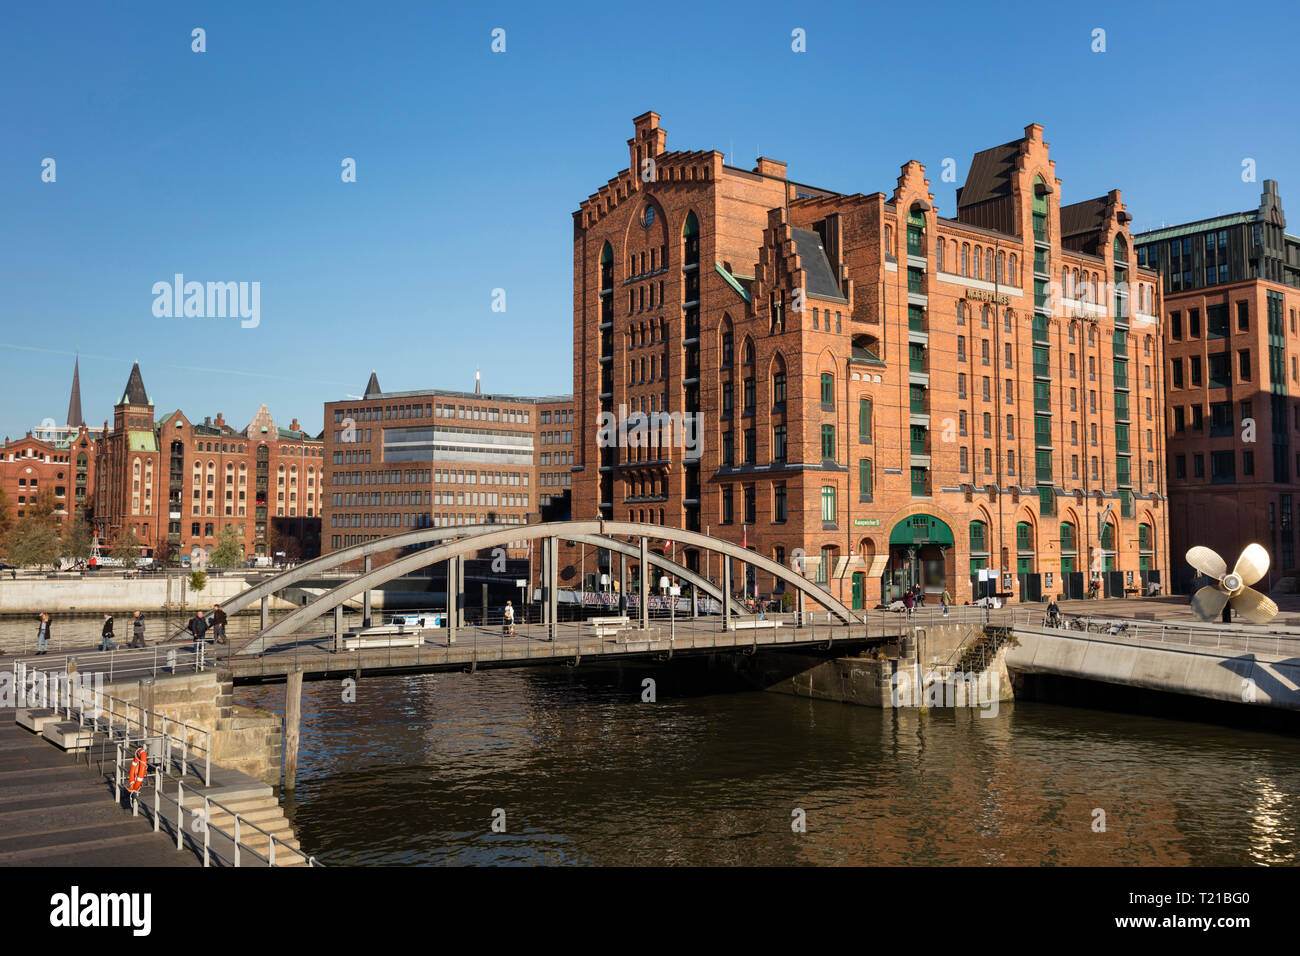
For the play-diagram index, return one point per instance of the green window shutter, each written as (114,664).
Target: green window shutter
(864,476)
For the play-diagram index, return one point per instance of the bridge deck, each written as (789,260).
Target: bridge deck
(478,647)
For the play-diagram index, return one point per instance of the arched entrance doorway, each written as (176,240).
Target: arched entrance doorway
(919,547)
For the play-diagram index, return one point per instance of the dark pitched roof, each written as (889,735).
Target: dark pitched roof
(135,393)
(990,175)
(1082,224)
(821,278)
(74,400)
(372,387)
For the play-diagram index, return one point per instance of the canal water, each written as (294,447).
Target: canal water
(575,768)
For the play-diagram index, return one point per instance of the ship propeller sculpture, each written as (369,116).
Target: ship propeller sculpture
(1233,586)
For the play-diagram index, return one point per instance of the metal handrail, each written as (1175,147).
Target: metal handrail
(123,660)
(236,838)
(1183,633)
(147,722)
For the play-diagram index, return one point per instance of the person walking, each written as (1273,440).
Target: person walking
(137,630)
(218,624)
(43,634)
(1053,613)
(106,634)
(197,627)
(909,602)
(510,619)
(946,600)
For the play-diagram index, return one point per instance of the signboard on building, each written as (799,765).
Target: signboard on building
(981,295)
(866,522)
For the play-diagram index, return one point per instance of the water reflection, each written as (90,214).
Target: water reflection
(588,774)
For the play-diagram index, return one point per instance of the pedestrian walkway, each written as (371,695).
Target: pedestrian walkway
(58,812)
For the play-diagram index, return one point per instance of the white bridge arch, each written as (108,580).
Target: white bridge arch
(455,545)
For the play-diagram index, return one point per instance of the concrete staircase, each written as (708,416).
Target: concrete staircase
(264,812)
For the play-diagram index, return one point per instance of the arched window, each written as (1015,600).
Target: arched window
(607,266)
(1012,274)
(1067,538)
(778,382)
(1108,537)
(915,232)
(965,258)
(690,241)
(749,352)
(979,263)
(988,264)
(728,344)
(938,254)
(1024,536)
(979,543)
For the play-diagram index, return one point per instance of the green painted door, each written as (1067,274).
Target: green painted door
(859,586)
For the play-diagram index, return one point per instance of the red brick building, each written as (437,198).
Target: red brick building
(1231,295)
(177,483)
(880,395)
(58,457)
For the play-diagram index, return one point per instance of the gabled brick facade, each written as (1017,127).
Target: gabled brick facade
(833,349)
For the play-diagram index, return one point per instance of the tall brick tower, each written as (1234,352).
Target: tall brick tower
(884,397)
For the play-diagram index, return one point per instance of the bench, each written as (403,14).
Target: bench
(603,621)
(68,735)
(752,625)
(353,642)
(35,718)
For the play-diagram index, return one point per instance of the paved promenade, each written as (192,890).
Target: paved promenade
(57,812)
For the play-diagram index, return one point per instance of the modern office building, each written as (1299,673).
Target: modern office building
(866,389)
(434,458)
(1231,292)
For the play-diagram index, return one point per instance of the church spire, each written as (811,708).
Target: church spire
(75,419)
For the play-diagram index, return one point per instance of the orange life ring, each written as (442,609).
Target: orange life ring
(139,770)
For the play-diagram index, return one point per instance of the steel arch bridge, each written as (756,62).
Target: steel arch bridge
(453,546)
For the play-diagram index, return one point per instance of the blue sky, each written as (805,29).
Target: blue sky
(225,165)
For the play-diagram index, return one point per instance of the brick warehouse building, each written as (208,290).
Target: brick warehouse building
(893,396)
(58,457)
(176,483)
(402,460)
(1231,294)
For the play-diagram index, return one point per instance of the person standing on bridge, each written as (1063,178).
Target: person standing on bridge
(218,624)
(909,602)
(510,619)
(43,634)
(137,630)
(106,634)
(198,627)
(946,600)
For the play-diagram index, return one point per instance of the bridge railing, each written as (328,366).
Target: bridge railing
(1198,635)
(122,664)
(230,846)
(484,640)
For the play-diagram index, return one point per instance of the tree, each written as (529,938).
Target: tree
(33,541)
(229,550)
(198,581)
(76,539)
(127,549)
(45,506)
(6,522)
